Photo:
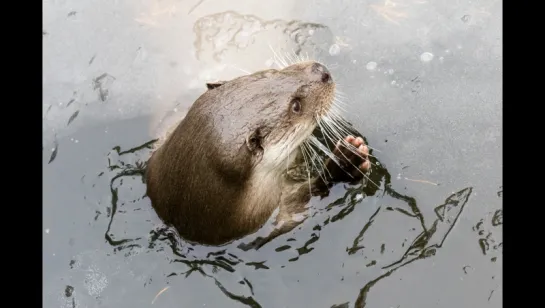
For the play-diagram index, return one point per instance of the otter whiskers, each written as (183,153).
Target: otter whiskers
(304,152)
(314,141)
(288,59)
(316,161)
(332,126)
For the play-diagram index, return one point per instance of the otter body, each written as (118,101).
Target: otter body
(222,172)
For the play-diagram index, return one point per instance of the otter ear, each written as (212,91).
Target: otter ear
(213,85)
(253,141)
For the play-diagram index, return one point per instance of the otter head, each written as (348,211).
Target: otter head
(272,112)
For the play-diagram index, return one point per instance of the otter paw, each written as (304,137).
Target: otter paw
(354,161)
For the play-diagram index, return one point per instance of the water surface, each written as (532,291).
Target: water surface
(422,81)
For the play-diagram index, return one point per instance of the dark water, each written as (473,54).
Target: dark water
(422,82)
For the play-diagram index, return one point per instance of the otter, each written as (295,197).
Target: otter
(223,170)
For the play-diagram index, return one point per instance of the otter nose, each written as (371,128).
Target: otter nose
(322,72)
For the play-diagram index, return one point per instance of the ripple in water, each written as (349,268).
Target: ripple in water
(225,263)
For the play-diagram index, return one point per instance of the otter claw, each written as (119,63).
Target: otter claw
(353,162)
(359,157)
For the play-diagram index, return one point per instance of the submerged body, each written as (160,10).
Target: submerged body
(222,171)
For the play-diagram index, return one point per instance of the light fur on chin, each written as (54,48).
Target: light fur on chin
(282,153)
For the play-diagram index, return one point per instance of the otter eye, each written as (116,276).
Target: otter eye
(296,105)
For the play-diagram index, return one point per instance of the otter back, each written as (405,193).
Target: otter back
(219,175)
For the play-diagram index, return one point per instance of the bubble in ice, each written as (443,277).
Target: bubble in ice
(393,82)
(95,282)
(426,57)
(46,230)
(334,50)
(311,32)
(466,18)
(371,66)
(391,71)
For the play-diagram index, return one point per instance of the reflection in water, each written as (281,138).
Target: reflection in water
(464,38)
(425,245)
(488,242)
(73,116)
(131,164)
(101,84)
(54,151)
(126,170)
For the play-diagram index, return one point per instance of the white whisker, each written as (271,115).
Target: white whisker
(238,68)
(339,101)
(320,172)
(277,59)
(320,160)
(290,59)
(315,141)
(303,151)
(333,126)
(328,131)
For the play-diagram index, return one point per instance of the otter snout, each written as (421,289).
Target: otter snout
(321,73)
(313,71)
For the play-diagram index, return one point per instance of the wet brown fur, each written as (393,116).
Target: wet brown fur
(221,172)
